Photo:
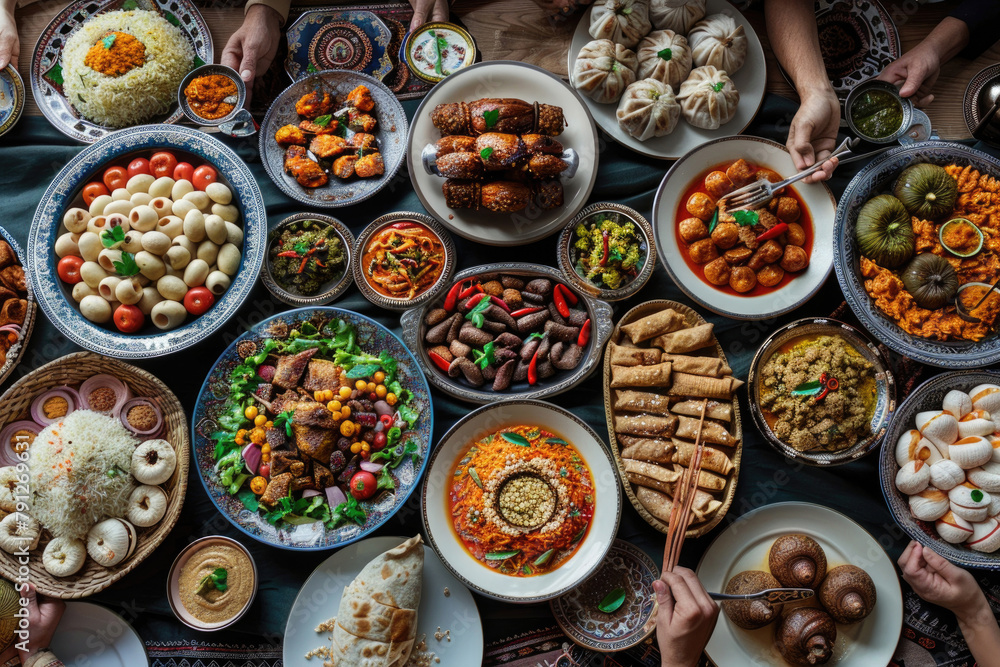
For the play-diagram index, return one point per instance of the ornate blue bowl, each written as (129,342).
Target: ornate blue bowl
(54,296)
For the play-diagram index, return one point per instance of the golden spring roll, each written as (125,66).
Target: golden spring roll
(686,340)
(660,473)
(677,451)
(706,480)
(658,504)
(721,410)
(627,400)
(632,440)
(648,449)
(699,386)
(661,322)
(640,376)
(649,483)
(710,366)
(687,428)
(633,356)
(648,425)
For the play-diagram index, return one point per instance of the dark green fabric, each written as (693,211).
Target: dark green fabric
(32,154)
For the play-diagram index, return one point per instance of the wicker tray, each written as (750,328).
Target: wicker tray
(693,319)
(72,370)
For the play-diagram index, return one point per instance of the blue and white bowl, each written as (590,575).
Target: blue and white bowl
(55,297)
(877,178)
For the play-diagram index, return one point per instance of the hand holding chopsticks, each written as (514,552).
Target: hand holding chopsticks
(685,617)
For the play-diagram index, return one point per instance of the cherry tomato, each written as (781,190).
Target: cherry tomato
(163,164)
(379,441)
(265,470)
(363,485)
(68,269)
(203,176)
(129,319)
(92,191)
(115,177)
(183,171)
(198,300)
(138,166)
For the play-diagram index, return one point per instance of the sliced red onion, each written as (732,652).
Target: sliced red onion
(38,416)
(371,467)
(335,496)
(8,456)
(309,493)
(90,385)
(148,433)
(252,456)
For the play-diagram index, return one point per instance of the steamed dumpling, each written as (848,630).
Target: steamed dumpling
(603,69)
(708,98)
(676,15)
(648,109)
(624,22)
(720,42)
(664,55)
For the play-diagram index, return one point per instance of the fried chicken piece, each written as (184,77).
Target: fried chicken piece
(293,153)
(343,167)
(313,105)
(362,140)
(369,165)
(307,172)
(327,145)
(315,128)
(360,122)
(361,98)
(290,135)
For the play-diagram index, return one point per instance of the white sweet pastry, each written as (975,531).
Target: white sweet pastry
(914,477)
(930,504)
(986,477)
(971,452)
(977,422)
(602,71)
(953,529)
(912,446)
(18,532)
(64,556)
(957,403)
(985,536)
(994,505)
(677,15)
(986,397)
(969,502)
(153,462)
(708,98)
(938,426)
(111,541)
(719,41)
(624,22)
(146,505)
(946,474)
(647,109)
(664,55)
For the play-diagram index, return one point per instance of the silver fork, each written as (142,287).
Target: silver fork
(761,192)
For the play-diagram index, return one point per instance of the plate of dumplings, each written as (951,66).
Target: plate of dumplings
(662,77)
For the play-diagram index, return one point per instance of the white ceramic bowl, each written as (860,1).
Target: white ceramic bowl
(437,517)
(174,578)
(759,152)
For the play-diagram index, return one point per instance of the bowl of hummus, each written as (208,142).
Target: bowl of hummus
(212,583)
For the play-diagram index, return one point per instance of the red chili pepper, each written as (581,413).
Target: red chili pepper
(403,225)
(533,369)
(500,302)
(474,301)
(560,300)
(521,312)
(471,289)
(302,266)
(777,230)
(569,295)
(451,300)
(604,239)
(288,253)
(439,361)
(584,336)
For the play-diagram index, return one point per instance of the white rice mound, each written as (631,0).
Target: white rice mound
(140,93)
(69,498)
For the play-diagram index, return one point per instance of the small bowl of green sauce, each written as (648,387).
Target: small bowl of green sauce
(876,112)
(309,260)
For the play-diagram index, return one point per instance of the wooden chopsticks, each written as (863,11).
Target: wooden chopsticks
(684,493)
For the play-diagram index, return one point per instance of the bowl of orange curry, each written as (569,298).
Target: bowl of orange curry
(211,94)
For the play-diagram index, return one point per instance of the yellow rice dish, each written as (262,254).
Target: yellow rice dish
(124,67)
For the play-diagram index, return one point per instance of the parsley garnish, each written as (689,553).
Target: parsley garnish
(717,87)
(112,237)
(746,218)
(126,267)
(486,153)
(484,358)
(491,117)
(216,579)
(311,69)
(323,121)
(476,314)
(284,419)
(108,40)
(666,54)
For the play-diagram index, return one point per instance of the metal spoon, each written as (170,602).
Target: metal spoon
(960,309)
(990,93)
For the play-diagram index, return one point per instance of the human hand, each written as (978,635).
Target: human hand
(10,47)
(939,582)
(43,617)
(685,617)
(252,47)
(425,11)
(813,133)
(917,70)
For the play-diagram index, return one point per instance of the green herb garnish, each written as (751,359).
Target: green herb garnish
(516,439)
(115,471)
(112,237)
(976,495)
(475,477)
(502,555)
(55,75)
(476,314)
(126,267)
(666,54)
(284,419)
(746,218)
(612,601)
(108,40)
(216,579)
(323,121)
(544,558)
(717,87)
(491,117)
(484,358)
(311,69)
(714,221)
(172,19)
(486,153)
(538,334)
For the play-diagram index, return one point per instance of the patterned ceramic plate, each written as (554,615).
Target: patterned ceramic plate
(11,98)
(338,39)
(750,80)
(372,336)
(46,69)
(391,134)
(55,298)
(628,568)
(875,178)
(16,351)
(929,396)
(744,545)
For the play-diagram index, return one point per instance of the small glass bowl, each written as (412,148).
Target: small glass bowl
(330,290)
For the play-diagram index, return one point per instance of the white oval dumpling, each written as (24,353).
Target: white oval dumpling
(986,397)
(624,22)
(648,109)
(664,55)
(718,40)
(708,98)
(938,426)
(603,70)
(677,15)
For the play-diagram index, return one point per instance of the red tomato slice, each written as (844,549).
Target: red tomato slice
(163,164)
(92,191)
(115,177)
(138,166)
(204,176)
(198,300)
(183,171)
(129,319)
(68,269)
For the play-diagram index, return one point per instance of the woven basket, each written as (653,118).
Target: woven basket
(72,370)
(693,319)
